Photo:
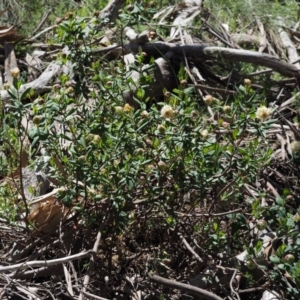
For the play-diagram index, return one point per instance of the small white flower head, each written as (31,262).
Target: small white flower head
(128,108)
(295,146)
(263,113)
(208,99)
(204,133)
(247,82)
(15,72)
(167,112)
(118,109)
(162,165)
(226,109)
(144,114)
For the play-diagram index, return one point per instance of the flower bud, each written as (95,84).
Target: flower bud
(261,224)
(15,72)
(247,82)
(208,99)
(161,128)
(162,165)
(36,120)
(289,258)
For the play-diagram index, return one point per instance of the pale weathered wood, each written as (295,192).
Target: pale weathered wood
(210,52)
(40,85)
(10,61)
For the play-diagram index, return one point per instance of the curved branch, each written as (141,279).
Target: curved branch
(209,52)
(185,287)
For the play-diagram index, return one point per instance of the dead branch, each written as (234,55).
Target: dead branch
(42,263)
(185,287)
(40,85)
(208,52)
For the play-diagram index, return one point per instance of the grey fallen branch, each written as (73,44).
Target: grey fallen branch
(44,263)
(190,248)
(205,52)
(40,85)
(185,287)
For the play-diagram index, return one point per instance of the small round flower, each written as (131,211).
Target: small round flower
(263,113)
(144,114)
(296,217)
(204,133)
(40,100)
(89,137)
(295,146)
(261,224)
(69,90)
(118,109)
(183,82)
(68,83)
(167,112)
(161,128)
(36,120)
(127,108)
(152,34)
(167,94)
(194,114)
(6,86)
(56,86)
(290,258)
(247,82)
(225,124)
(250,264)
(208,99)
(15,72)
(96,139)
(82,159)
(226,109)
(245,178)
(148,142)
(162,165)
(139,151)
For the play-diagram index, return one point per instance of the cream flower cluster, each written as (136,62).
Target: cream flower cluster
(263,113)
(167,112)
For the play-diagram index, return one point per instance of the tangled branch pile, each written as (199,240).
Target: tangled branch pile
(150,160)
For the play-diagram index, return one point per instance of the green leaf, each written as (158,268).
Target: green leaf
(25,93)
(279,201)
(275,259)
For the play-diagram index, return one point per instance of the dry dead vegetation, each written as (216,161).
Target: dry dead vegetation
(62,258)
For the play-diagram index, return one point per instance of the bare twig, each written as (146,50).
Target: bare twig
(91,296)
(231,286)
(42,263)
(190,248)
(185,287)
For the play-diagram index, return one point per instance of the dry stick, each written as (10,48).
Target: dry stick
(208,52)
(214,89)
(92,261)
(210,215)
(42,263)
(44,18)
(231,286)
(190,248)
(185,287)
(51,28)
(89,295)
